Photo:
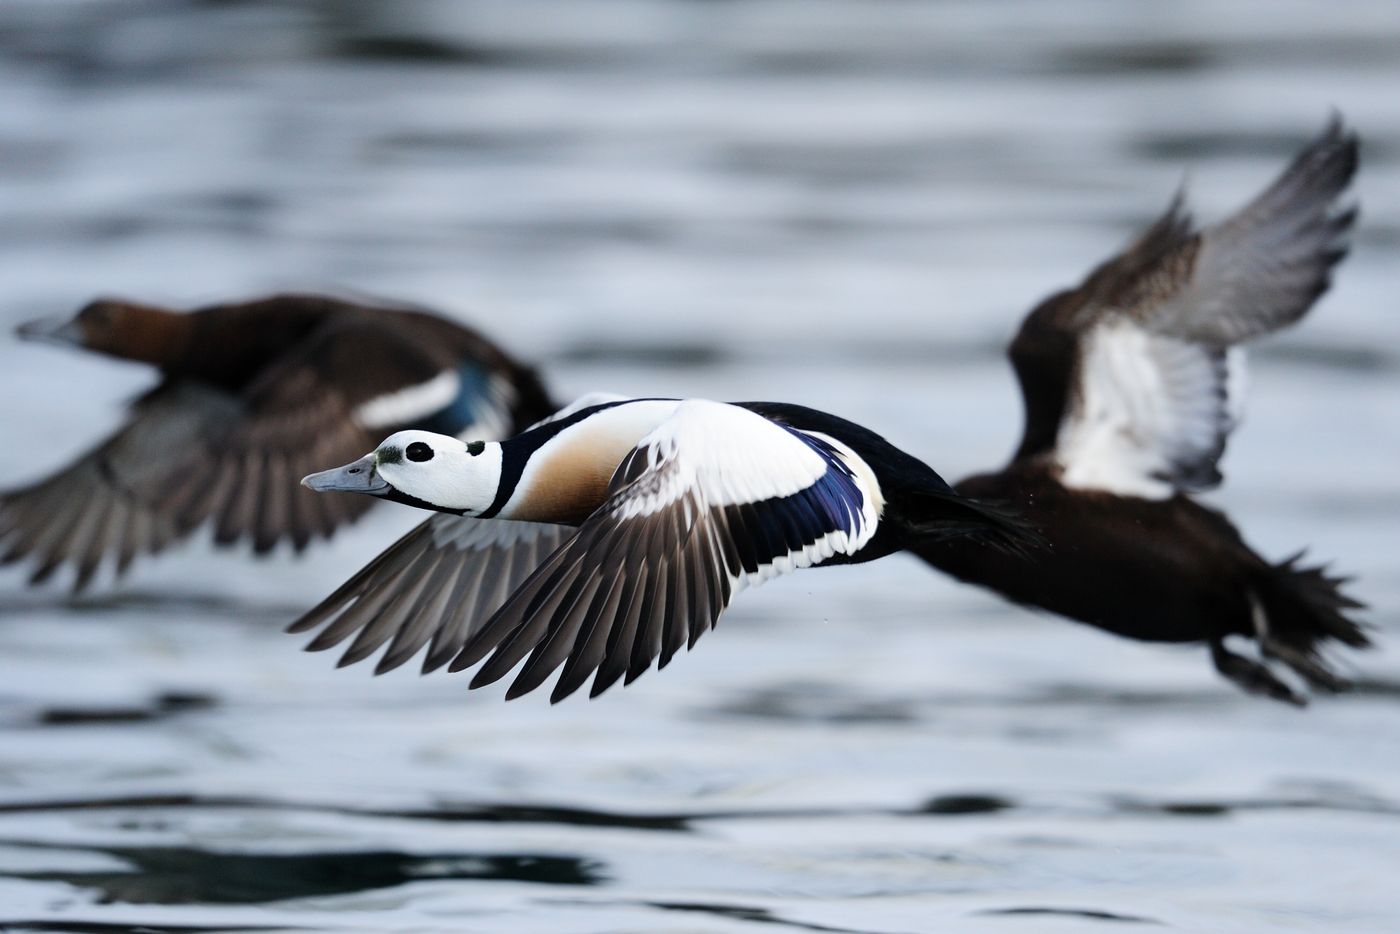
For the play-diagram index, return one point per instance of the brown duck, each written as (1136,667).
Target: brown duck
(252,396)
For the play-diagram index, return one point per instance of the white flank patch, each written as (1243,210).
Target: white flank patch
(410,403)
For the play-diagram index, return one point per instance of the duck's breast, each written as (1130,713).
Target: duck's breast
(566,478)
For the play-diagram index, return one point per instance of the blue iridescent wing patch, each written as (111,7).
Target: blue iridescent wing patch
(476,403)
(770,529)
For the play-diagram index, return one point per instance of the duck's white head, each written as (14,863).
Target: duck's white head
(424,469)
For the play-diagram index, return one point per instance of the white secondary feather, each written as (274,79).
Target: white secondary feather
(728,453)
(410,403)
(1146,405)
(710,454)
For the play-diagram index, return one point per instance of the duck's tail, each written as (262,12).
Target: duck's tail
(939,515)
(1299,610)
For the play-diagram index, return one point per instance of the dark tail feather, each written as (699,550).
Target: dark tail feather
(1304,609)
(938,516)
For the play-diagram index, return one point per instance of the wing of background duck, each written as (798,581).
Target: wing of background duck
(715,498)
(1148,414)
(303,416)
(1046,352)
(435,584)
(1156,384)
(1265,266)
(107,503)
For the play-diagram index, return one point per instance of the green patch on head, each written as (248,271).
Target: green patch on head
(475,447)
(388,456)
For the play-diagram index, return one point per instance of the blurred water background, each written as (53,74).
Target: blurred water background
(845,204)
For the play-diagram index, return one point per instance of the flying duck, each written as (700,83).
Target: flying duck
(1131,383)
(223,436)
(616,532)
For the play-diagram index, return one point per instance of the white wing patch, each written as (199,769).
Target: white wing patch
(1149,408)
(731,454)
(710,455)
(410,403)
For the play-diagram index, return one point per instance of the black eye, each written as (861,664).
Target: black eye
(476,447)
(418,451)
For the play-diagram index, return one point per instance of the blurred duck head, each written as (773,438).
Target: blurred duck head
(108,326)
(421,468)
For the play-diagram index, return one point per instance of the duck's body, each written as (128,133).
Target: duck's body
(223,436)
(1131,386)
(616,532)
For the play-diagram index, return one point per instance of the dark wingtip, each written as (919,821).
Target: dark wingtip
(304,622)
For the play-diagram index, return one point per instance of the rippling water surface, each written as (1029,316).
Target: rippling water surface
(843,204)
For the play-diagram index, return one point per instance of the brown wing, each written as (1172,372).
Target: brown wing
(187,453)
(1258,270)
(107,502)
(1127,379)
(191,453)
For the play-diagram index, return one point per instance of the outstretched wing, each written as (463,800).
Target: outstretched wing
(715,498)
(298,417)
(191,453)
(186,453)
(1130,381)
(108,501)
(436,584)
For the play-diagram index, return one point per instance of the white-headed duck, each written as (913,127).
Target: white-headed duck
(617,532)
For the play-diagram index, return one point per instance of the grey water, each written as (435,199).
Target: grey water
(844,204)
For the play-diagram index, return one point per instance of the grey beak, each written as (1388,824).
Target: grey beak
(57,330)
(357,477)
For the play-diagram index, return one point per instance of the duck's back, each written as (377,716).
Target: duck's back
(1161,570)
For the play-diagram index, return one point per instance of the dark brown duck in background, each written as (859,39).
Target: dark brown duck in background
(253,396)
(1131,384)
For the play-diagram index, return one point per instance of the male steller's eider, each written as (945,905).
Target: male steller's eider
(617,531)
(1131,386)
(224,435)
